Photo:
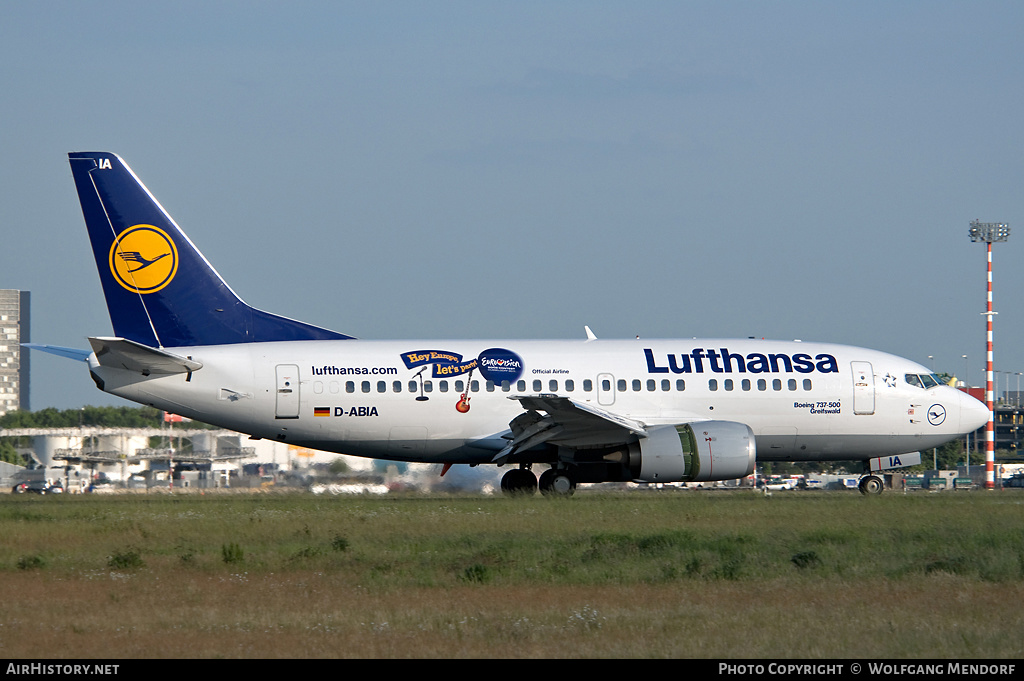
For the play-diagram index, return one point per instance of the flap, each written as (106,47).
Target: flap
(567,423)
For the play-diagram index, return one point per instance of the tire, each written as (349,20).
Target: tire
(557,483)
(871,485)
(519,481)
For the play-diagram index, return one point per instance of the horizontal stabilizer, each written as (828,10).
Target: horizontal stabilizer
(121,353)
(70,353)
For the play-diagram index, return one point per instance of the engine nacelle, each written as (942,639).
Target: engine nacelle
(699,452)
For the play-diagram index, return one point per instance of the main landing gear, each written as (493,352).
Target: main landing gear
(554,482)
(519,481)
(870,485)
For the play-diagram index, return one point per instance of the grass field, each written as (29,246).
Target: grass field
(640,574)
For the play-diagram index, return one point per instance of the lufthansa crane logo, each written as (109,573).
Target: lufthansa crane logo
(936,414)
(143,259)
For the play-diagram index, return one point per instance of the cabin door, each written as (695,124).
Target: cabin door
(863,388)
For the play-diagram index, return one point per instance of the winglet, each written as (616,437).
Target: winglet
(590,334)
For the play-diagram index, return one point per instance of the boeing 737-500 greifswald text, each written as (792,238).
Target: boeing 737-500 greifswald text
(585,410)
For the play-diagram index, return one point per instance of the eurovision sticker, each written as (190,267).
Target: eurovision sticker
(499,364)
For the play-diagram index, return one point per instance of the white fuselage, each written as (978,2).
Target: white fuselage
(407,400)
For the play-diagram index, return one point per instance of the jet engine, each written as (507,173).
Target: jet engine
(698,452)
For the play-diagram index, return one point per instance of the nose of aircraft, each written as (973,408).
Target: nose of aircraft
(973,413)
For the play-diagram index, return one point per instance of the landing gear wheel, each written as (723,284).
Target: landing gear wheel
(519,481)
(871,484)
(557,483)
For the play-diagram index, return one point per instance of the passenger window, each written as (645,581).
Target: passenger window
(792,384)
(745,384)
(606,384)
(777,384)
(366,386)
(651,385)
(666,385)
(490,386)
(413,387)
(460,386)
(396,386)
(588,385)
(570,385)
(621,385)
(636,385)
(762,384)
(807,384)
(474,386)
(428,386)
(382,386)
(521,386)
(442,386)
(536,386)
(334,387)
(505,386)
(713,385)
(728,384)
(680,385)
(350,386)
(553,386)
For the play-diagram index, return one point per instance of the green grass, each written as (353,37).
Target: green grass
(684,574)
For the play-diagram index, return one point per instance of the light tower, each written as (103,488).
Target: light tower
(989,233)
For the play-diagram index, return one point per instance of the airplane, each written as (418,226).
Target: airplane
(585,411)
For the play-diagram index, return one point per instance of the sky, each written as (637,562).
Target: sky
(499,170)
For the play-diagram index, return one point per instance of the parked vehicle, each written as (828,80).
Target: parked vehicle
(785,483)
(37,487)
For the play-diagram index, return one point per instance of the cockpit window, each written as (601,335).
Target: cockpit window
(925,381)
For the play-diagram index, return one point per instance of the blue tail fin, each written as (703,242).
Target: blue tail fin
(160,290)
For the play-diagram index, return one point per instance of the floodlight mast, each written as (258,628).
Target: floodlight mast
(989,233)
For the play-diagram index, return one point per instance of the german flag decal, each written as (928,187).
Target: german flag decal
(321,411)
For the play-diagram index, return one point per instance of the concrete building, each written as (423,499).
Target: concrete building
(14,361)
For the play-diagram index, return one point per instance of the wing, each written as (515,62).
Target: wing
(568,423)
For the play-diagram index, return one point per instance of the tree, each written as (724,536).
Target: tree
(9,454)
(338,467)
(107,417)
